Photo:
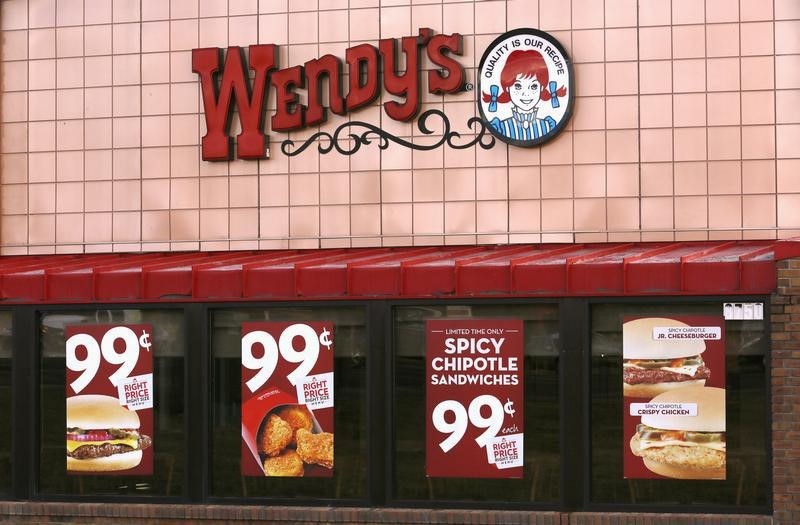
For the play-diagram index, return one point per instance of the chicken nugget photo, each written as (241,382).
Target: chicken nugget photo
(315,448)
(298,416)
(274,436)
(287,465)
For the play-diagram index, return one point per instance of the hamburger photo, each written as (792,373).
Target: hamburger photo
(683,446)
(651,366)
(102,435)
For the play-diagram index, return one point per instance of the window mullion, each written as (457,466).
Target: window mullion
(25,391)
(573,405)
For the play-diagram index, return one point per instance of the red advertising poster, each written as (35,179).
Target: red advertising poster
(287,399)
(109,399)
(674,397)
(474,399)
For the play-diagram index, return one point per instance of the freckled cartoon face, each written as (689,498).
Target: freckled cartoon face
(525,92)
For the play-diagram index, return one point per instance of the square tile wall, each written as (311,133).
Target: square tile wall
(686,126)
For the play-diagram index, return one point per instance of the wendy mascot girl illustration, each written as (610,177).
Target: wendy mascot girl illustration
(525,89)
(524,83)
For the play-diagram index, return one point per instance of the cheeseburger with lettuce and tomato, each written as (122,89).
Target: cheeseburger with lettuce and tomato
(651,366)
(102,435)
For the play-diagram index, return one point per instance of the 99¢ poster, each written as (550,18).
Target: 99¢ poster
(674,397)
(109,399)
(474,399)
(287,399)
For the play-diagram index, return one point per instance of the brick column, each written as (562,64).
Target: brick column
(785,366)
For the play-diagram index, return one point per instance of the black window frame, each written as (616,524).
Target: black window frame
(373,480)
(27,403)
(8,487)
(591,506)
(574,391)
(564,420)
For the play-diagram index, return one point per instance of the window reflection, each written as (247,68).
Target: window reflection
(747,420)
(168,378)
(541,472)
(350,378)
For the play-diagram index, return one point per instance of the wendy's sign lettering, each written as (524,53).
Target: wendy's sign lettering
(364,73)
(525,91)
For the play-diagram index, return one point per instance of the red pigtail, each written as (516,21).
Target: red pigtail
(502,98)
(562,91)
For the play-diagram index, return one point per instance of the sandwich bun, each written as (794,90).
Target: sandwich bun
(686,462)
(710,410)
(638,342)
(93,411)
(675,472)
(121,461)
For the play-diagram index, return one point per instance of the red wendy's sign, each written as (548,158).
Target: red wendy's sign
(287,399)
(109,399)
(475,398)
(364,72)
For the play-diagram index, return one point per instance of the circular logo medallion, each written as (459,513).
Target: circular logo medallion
(525,87)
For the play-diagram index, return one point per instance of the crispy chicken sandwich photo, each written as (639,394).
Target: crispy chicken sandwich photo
(682,446)
(651,366)
(102,435)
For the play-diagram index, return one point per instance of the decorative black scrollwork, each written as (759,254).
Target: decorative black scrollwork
(348,138)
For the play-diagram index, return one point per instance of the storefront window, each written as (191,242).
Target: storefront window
(541,475)
(746,481)
(740,370)
(168,439)
(349,471)
(5,402)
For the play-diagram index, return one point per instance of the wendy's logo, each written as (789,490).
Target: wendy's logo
(525,87)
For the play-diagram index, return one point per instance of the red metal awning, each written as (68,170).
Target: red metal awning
(545,270)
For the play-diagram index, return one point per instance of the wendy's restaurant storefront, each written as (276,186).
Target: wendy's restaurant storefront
(355,261)
(522,383)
